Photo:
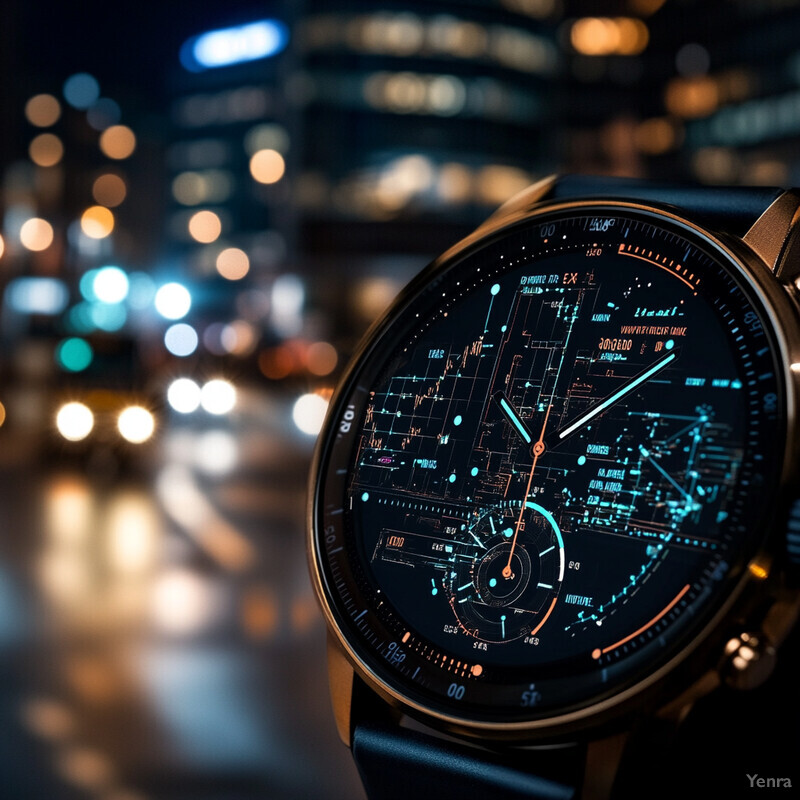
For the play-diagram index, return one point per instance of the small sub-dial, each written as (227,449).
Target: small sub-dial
(507,587)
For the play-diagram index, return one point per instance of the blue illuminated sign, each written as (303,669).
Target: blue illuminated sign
(228,46)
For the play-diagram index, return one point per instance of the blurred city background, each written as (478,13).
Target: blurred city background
(203,207)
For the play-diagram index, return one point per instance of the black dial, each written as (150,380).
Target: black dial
(550,465)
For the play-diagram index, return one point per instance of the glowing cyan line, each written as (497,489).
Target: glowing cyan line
(554,525)
(618,395)
(513,418)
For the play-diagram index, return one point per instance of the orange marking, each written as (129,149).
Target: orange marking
(653,621)
(406,636)
(477,670)
(549,612)
(626,252)
(538,449)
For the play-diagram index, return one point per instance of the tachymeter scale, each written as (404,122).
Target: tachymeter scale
(657,500)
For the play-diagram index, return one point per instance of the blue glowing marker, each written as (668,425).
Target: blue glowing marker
(510,413)
(503,626)
(434,590)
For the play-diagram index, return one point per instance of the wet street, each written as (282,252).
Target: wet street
(159,633)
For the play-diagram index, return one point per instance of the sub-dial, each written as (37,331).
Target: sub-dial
(503,591)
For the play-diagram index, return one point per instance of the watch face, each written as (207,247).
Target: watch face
(550,466)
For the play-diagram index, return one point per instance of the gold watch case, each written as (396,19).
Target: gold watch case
(768,260)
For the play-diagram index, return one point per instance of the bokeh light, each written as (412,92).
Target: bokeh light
(239,338)
(205,227)
(118,142)
(268,136)
(86,284)
(108,316)
(267,166)
(136,424)
(173,301)
(74,421)
(81,90)
(183,602)
(183,395)
(103,114)
(277,363)
(309,412)
(109,190)
(233,263)
(42,110)
(2,414)
(2,246)
(216,452)
(218,396)
(36,234)
(110,285)
(97,222)
(321,358)
(207,186)
(142,291)
(46,150)
(603,36)
(74,354)
(34,294)
(181,339)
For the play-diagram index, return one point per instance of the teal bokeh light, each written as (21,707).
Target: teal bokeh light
(74,354)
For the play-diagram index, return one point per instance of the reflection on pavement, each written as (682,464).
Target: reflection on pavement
(159,633)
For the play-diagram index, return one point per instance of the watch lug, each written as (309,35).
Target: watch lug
(775,236)
(340,679)
(603,758)
(679,707)
(521,202)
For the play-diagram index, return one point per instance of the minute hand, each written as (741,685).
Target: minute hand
(618,395)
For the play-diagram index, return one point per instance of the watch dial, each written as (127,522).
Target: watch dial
(549,469)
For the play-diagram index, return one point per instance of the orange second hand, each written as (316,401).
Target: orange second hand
(507,569)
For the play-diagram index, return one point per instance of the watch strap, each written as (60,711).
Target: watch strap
(732,209)
(400,764)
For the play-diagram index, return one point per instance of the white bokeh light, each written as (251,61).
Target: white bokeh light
(173,301)
(136,424)
(183,395)
(110,285)
(218,396)
(309,412)
(181,339)
(74,421)
(183,602)
(216,452)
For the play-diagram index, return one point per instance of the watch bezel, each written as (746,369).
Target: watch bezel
(677,675)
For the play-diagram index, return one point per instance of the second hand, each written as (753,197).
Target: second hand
(538,449)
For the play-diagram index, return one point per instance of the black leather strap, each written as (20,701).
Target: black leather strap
(400,764)
(721,208)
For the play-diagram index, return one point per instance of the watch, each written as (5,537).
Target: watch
(552,507)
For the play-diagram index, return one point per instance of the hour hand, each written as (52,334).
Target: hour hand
(510,413)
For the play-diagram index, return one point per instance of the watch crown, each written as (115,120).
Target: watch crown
(749,660)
